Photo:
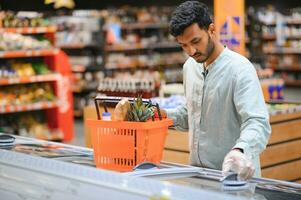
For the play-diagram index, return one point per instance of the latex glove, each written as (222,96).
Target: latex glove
(237,162)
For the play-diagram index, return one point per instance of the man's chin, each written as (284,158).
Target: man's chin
(200,60)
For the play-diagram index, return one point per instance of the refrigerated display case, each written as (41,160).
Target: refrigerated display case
(36,169)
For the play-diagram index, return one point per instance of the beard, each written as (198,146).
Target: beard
(202,57)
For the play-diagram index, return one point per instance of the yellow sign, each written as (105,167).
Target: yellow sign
(61,3)
(230,23)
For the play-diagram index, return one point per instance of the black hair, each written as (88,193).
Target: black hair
(188,13)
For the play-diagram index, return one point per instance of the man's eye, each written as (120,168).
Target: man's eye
(196,42)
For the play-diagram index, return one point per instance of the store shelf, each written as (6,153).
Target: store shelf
(130,67)
(28,107)
(288,22)
(29,79)
(294,83)
(288,69)
(142,46)
(28,53)
(83,90)
(78,46)
(282,51)
(273,37)
(143,25)
(30,30)
(82,68)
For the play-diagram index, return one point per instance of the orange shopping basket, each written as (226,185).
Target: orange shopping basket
(121,145)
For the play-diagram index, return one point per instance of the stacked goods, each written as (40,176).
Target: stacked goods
(283,108)
(10,19)
(20,69)
(31,124)
(138,111)
(26,94)
(15,41)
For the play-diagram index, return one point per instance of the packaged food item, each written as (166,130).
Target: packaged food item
(121,110)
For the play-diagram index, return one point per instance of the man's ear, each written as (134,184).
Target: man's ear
(211,29)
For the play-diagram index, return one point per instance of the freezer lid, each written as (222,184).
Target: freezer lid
(24,176)
(197,177)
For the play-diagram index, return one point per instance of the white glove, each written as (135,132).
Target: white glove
(237,162)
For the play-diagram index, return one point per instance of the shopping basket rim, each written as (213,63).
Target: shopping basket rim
(130,125)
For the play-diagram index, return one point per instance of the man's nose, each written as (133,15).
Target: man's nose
(191,50)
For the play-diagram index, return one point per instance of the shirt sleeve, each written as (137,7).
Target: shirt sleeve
(179,117)
(180,114)
(252,111)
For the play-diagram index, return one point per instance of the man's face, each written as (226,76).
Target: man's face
(196,42)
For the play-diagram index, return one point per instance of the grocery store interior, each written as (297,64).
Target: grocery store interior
(57,56)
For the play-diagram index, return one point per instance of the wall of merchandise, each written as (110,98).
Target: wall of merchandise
(127,50)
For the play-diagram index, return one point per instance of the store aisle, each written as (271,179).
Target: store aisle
(79,137)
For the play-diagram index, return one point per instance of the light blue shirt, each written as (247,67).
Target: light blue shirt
(225,109)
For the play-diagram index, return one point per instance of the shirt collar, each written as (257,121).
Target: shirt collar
(216,61)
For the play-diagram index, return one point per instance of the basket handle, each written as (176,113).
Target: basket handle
(104,100)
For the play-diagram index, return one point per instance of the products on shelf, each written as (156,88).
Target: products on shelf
(139,82)
(283,108)
(272,89)
(85,61)
(26,94)
(120,21)
(87,81)
(283,61)
(281,42)
(20,69)
(9,19)
(287,47)
(143,15)
(78,30)
(15,41)
(27,83)
(173,75)
(121,60)
(270,15)
(30,124)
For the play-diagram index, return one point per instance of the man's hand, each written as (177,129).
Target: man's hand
(237,162)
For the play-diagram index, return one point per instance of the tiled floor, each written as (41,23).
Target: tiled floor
(291,94)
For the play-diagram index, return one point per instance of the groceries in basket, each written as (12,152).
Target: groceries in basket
(131,138)
(130,109)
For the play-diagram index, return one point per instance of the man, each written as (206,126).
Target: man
(225,112)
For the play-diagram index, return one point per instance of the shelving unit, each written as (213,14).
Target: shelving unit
(29,107)
(30,79)
(80,36)
(138,47)
(28,53)
(58,112)
(281,44)
(30,30)
(134,47)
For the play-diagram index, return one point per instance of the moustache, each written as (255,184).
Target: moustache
(197,54)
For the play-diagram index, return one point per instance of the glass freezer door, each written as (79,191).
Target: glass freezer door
(208,179)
